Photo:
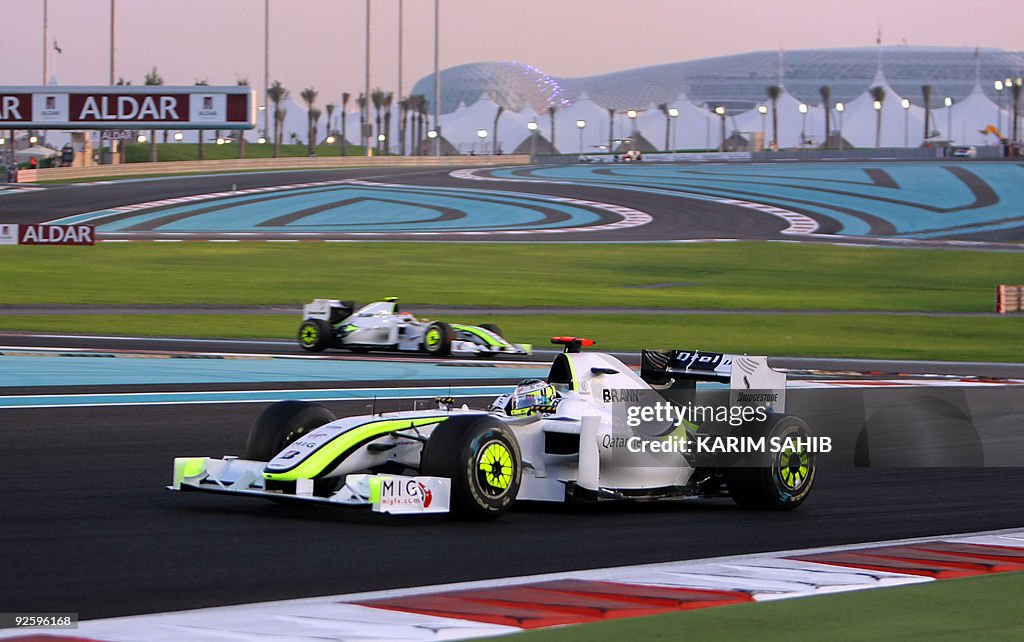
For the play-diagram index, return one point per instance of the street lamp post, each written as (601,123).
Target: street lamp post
(905,104)
(532,126)
(673,113)
(631,114)
(803,124)
(437,75)
(999,104)
(878,123)
(840,108)
(949,119)
(580,124)
(482,135)
(763,110)
(266,68)
(720,110)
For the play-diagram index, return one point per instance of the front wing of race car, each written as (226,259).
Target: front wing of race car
(477,340)
(394,494)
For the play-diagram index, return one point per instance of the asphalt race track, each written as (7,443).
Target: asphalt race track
(906,204)
(89,527)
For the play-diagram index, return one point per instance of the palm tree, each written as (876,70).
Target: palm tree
(410,116)
(878,93)
(551,112)
(1015,89)
(386,103)
(663,108)
(774,92)
(279,115)
(344,114)
(330,117)
(277,93)
(826,101)
(494,145)
(377,98)
(202,149)
(926,92)
(153,78)
(309,97)
(425,123)
(361,101)
(403,116)
(241,134)
(417,108)
(611,130)
(314,118)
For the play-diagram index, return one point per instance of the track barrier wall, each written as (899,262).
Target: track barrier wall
(252,164)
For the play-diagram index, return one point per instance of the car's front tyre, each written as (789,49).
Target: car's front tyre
(481,456)
(437,340)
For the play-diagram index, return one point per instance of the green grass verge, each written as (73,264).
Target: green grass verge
(725,276)
(751,276)
(983,608)
(866,336)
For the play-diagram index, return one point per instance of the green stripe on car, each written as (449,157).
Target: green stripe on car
(316,463)
(487,337)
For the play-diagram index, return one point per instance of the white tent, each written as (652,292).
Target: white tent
(461,127)
(970,117)
(37,152)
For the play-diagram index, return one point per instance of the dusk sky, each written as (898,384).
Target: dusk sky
(320,43)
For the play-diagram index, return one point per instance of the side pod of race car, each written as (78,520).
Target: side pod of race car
(330,323)
(570,437)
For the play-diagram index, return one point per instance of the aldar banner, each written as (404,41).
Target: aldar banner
(127,107)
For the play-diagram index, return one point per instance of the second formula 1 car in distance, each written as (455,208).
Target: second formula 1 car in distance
(330,323)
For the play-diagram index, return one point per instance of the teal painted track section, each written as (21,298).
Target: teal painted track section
(243,396)
(921,200)
(103,369)
(351,208)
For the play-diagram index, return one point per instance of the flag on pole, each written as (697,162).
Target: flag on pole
(56,47)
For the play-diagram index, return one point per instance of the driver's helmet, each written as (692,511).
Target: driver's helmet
(529,394)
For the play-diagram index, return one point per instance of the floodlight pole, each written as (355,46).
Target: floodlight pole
(266,69)
(366,101)
(437,77)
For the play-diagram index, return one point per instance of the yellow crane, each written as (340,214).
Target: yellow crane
(992,129)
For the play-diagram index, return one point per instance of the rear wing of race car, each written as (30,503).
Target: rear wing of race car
(331,310)
(752,382)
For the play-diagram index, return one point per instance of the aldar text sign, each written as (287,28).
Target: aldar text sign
(13,234)
(123,107)
(167,108)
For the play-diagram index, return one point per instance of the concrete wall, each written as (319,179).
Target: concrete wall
(248,164)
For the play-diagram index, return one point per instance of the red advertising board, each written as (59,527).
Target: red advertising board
(120,107)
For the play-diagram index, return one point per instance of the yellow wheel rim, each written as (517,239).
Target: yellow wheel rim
(495,466)
(794,466)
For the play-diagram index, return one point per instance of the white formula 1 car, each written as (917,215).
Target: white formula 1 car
(569,437)
(330,323)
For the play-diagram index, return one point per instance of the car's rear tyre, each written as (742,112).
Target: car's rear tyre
(281,424)
(437,340)
(315,335)
(481,456)
(491,327)
(786,482)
